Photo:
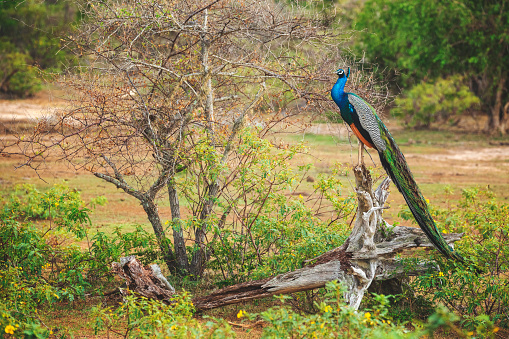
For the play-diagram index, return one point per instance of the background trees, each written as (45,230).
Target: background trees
(423,40)
(30,32)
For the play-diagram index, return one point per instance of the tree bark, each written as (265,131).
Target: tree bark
(178,235)
(153,216)
(366,256)
(496,116)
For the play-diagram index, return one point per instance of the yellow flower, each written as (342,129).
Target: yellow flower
(367,315)
(388,322)
(322,325)
(444,231)
(495,330)
(50,332)
(327,309)
(440,274)
(9,329)
(173,327)
(240,314)
(470,333)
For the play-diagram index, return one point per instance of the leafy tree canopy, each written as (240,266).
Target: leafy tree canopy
(29,40)
(425,39)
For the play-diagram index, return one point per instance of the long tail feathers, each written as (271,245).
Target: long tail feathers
(396,166)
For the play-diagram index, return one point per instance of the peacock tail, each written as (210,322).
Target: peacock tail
(394,163)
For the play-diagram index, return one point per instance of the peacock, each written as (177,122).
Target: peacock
(371,131)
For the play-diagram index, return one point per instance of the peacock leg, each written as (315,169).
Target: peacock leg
(361,158)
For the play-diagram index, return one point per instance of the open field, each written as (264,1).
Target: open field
(438,158)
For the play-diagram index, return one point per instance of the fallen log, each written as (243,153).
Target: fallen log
(368,254)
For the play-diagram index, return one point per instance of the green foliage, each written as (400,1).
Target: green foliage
(426,39)
(29,40)
(40,262)
(336,320)
(143,318)
(437,101)
(476,296)
(37,265)
(270,231)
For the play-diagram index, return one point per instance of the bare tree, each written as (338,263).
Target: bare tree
(163,92)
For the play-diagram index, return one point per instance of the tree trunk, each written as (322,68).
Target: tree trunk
(200,255)
(366,256)
(153,216)
(178,235)
(504,118)
(497,114)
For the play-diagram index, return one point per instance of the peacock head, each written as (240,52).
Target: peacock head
(341,73)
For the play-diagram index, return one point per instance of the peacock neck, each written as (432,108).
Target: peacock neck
(338,92)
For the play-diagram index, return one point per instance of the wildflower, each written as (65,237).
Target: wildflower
(9,329)
(441,274)
(327,309)
(367,315)
(470,333)
(50,332)
(322,325)
(495,330)
(388,322)
(444,231)
(240,314)
(173,328)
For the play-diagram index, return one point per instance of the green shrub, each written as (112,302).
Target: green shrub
(40,262)
(264,229)
(475,296)
(336,320)
(438,101)
(139,317)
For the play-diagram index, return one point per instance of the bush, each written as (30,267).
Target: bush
(335,319)
(438,101)
(40,262)
(271,231)
(142,318)
(479,291)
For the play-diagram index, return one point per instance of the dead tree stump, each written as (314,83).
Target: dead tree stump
(368,254)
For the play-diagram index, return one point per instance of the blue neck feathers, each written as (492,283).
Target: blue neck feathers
(338,91)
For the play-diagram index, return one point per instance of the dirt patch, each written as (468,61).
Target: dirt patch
(41,105)
(481,154)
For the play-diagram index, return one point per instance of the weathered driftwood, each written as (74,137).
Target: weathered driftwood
(146,281)
(367,255)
